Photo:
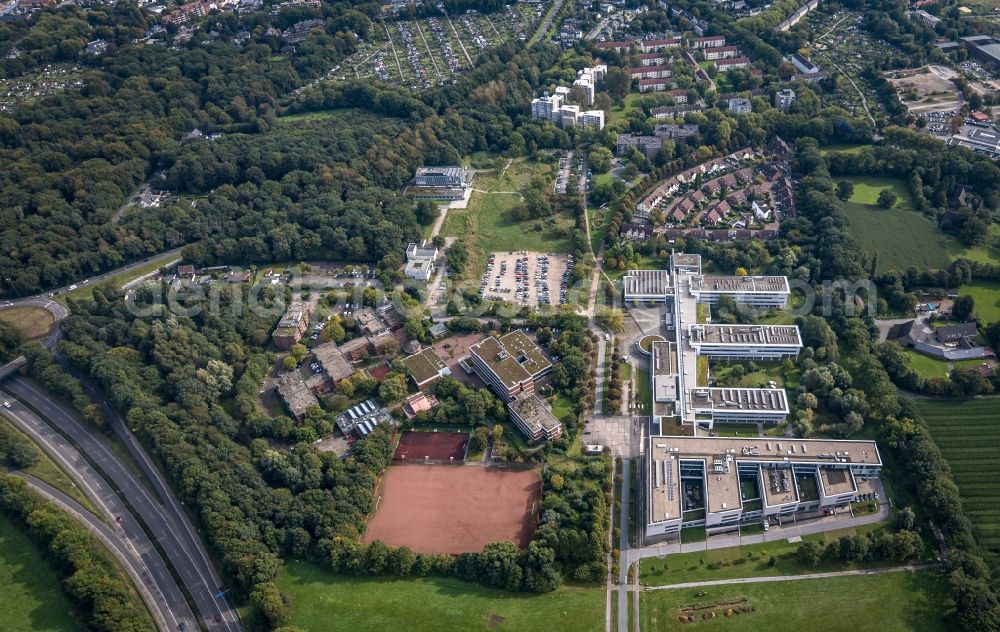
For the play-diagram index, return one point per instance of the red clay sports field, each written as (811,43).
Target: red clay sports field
(449,509)
(416,447)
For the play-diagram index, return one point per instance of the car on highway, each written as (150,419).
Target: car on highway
(6,404)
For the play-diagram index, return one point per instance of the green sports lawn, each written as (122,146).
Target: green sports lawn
(32,597)
(967,433)
(891,602)
(323,601)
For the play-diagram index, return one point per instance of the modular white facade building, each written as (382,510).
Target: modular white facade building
(719,483)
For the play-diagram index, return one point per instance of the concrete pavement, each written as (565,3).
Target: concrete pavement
(178,543)
(623,565)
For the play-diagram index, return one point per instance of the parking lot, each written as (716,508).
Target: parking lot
(527,278)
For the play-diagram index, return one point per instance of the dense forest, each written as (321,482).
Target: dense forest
(73,158)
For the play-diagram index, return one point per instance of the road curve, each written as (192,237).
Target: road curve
(114,542)
(166,523)
(69,459)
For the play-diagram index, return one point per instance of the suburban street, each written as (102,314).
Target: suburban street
(176,539)
(169,601)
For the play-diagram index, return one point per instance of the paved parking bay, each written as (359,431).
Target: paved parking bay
(526,278)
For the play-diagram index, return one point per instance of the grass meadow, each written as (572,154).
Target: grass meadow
(891,602)
(361,604)
(32,598)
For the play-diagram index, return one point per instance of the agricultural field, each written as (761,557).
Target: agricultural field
(32,599)
(986,295)
(432,604)
(890,602)
(902,238)
(431,51)
(967,433)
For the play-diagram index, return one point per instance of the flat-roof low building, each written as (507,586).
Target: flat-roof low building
(719,482)
(765,405)
(758,291)
(333,362)
(296,394)
(425,368)
(748,342)
(647,286)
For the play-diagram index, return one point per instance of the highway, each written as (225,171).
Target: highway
(169,604)
(116,543)
(172,531)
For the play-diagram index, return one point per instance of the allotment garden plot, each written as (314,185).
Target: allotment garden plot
(455,509)
(422,53)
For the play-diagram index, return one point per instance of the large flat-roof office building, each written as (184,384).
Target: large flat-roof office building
(677,396)
(719,483)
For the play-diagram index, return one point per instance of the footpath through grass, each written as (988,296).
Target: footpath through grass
(751,560)
(967,433)
(890,602)
(323,601)
(33,599)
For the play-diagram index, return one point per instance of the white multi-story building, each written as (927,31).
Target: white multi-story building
(719,483)
(545,107)
(592,118)
(784,98)
(553,109)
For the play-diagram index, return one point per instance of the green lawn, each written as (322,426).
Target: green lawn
(32,599)
(323,601)
(902,238)
(643,393)
(989,252)
(630,103)
(967,433)
(847,149)
(987,297)
(892,602)
(866,190)
(927,366)
(751,560)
